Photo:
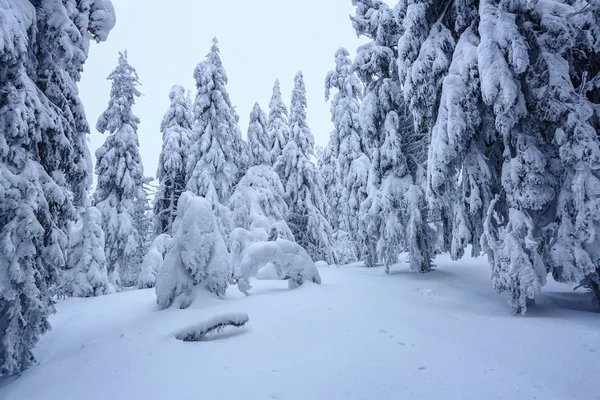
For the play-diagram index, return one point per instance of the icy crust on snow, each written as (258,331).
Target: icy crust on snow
(213,324)
(289,259)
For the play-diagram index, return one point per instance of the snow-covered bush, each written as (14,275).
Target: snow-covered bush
(289,259)
(197,255)
(153,261)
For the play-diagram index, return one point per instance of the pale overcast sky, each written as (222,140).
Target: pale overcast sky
(260,40)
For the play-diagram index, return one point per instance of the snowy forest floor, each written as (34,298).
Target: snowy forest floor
(361,335)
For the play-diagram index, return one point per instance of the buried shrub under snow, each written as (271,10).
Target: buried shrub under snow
(214,324)
(289,259)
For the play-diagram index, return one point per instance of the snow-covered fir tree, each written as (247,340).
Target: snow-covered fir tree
(326,164)
(87,262)
(394,215)
(217,159)
(257,205)
(176,128)
(197,255)
(44,161)
(120,176)
(259,140)
(346,146)
(144,224)
(514,149)
(279,130)
(303,183)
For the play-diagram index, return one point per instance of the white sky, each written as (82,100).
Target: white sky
(260,40)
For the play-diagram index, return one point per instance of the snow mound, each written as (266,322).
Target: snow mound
(289,259)
(214,324)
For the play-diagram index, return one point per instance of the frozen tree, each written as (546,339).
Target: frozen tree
(120,175)
(176,131)
(44,160)
(279,130)
(87,261)
(516,110)
(326,164)
(197,255)
(143,222)
(259,140)
(217,159)
(394,215)
(303,183)
(345,146)
(258,203)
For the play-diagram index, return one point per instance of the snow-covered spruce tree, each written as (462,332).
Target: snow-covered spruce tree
(279,130)
(394,215)
(217,159)
(143,222)
(197,255)
(259,142)
(176,131)
(303,183)
(346,145)
(515,146)
(258,204)
(326,164)
(44,162)
(120,175)
(87,260)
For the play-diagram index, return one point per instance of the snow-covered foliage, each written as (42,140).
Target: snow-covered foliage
(176,128)
(87,275)
(393,216)
(303,183)
(258,203)
(197,255)
(279,130)
(217,159)
(45,165)
(345,146)
(513,122)
(153,261)
(259,140)
(121,177)
(290,260)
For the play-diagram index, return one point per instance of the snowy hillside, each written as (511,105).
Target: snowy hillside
(360,335)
